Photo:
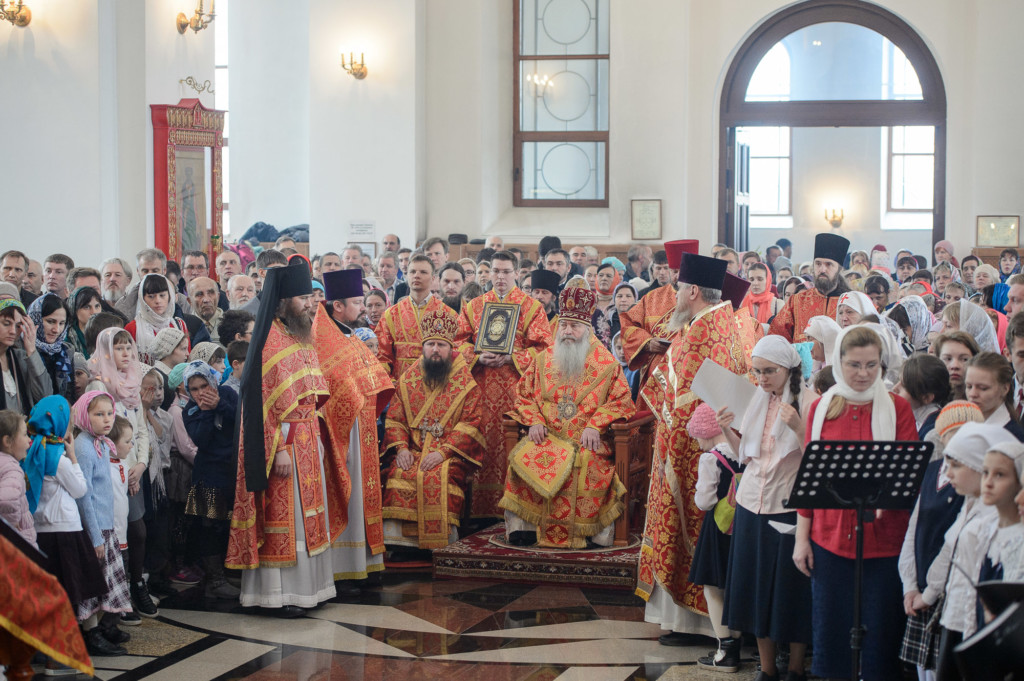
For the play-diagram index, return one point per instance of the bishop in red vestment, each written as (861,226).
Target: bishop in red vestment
(433,425)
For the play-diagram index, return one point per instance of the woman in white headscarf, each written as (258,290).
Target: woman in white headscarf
(764,593)
(823,331)
(976,323)
(921,321)
(852,307)
(857,407)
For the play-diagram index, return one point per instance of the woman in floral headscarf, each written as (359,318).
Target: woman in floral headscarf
(50,317)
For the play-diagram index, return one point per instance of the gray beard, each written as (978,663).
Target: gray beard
(824,285)
(679,320)
(112,295)
(570,358)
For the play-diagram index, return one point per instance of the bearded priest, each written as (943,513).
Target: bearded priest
(704,328)
(829,286)
(434,424)
(561,490)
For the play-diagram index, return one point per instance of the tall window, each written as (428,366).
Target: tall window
(771,149)
(911,149)
(220,100)
(561,103)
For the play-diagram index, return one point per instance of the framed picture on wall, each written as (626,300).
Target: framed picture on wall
(187,143)
(998,231)
(645,219)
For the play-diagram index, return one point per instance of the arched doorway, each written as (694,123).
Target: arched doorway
(828,101)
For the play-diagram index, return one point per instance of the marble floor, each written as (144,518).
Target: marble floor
(411,627)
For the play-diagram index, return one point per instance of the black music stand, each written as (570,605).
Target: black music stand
(859,475)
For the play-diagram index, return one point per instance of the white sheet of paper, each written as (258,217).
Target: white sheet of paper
(720,387)
(782,528)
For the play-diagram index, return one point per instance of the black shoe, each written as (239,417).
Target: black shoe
(762,676)
(130,619)
(348,589)
(679,639)
(161,588)
(793,676)
(522,538)
(286,612)
(98,646)
(726,658)
(117,636)
(142,601)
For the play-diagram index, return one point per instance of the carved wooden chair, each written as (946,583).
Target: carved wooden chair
(631,442)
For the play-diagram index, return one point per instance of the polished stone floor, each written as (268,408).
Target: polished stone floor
(411,627)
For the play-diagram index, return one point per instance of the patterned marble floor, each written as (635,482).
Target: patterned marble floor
(411,627)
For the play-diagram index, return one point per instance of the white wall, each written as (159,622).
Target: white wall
(77,83)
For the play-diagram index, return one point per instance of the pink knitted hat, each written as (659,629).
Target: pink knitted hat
(703,423)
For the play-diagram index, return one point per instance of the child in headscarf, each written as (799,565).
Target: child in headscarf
(14,502)
(94,418)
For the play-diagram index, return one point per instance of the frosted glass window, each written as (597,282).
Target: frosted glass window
(563,170)
(568,94)
(563,27)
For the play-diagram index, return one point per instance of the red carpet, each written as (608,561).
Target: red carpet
(485,556)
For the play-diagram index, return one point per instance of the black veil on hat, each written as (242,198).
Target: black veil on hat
(831,246)
(734,290)
(700,270)
(280,283)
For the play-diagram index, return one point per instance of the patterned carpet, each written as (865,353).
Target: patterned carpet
(485,555)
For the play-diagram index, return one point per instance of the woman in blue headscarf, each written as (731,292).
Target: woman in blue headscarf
(50,316)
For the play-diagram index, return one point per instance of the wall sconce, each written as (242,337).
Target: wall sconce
(357,71)
(834,216)
(16,13)
(198,22)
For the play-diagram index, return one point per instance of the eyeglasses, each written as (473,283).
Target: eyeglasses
(767,373)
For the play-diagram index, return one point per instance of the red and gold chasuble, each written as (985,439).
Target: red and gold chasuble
(263,523)
(360,389)
(673,519)
(646,320)
(794,316)
(445,420)
(497,388)
(568,492)
(748,332)
(399,343)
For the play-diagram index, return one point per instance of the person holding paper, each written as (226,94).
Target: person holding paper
(645,333)
(673,518)
(829,286)
(764,592)
(561,490)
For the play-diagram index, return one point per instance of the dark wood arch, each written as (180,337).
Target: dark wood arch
(735,111)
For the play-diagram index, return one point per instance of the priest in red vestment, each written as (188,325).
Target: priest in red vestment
(562,490)
(360,390)
(829,285)
(497,375)
(433,425)
(748,329)
(706,331)
(280,526)
(399,345)
(645,334)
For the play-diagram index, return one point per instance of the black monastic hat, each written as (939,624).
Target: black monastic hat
(734,289)
(341,284)
(545,279)
(700,270)
(831,246)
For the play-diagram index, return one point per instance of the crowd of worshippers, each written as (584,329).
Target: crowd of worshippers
(268,436)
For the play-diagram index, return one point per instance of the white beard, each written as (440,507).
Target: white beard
(570,358)
(679,320)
